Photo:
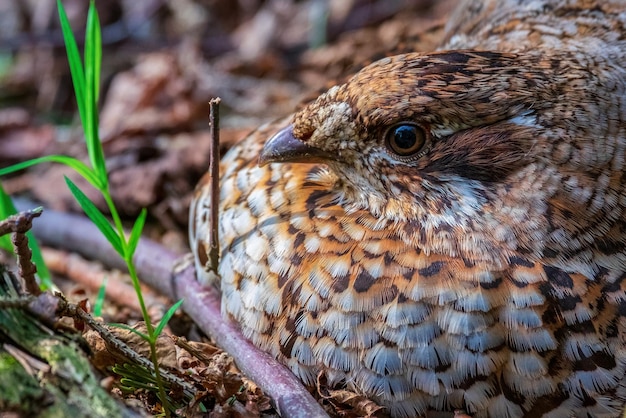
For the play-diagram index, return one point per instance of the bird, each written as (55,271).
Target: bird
(445,230)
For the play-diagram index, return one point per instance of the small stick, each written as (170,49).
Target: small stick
(20,222)
(75,311)
(19,225)
(214,167)
(24,260)
(19,302)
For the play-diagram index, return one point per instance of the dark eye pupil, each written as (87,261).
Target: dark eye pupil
(405,136)
(405,139)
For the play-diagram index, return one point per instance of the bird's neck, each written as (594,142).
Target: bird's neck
(451,218)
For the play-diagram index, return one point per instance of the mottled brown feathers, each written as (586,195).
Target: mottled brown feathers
(447,230)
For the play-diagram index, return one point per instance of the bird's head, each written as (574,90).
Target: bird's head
(419,133)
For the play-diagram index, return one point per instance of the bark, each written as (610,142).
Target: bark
(44,373)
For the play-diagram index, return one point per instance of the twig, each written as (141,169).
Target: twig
(24,260)
(199,354)
(43,306)
(20,222)
(74,311)
(19,302)
(154,264)
(19,225)
(214,166)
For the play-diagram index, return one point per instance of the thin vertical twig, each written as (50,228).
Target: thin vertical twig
(19,225)
(214,167)
(27,267)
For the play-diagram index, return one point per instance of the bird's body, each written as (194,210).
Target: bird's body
(446,230)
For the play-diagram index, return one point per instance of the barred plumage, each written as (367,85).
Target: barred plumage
(446,230)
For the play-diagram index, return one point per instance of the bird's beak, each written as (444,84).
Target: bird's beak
(284,147)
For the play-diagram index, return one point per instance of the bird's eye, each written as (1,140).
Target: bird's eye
(405,139)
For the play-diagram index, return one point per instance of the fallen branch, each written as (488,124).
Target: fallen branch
(155,264)
(115,343)
(45,372)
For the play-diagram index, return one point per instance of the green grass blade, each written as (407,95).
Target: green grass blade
(96,217)
(135,234)
(77,165)
(99,303)
(94,39)
(166,318)
(7,208)
(131,329)
(45,280)
(132,385)
(5,241)
(73,57)
(93,63)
